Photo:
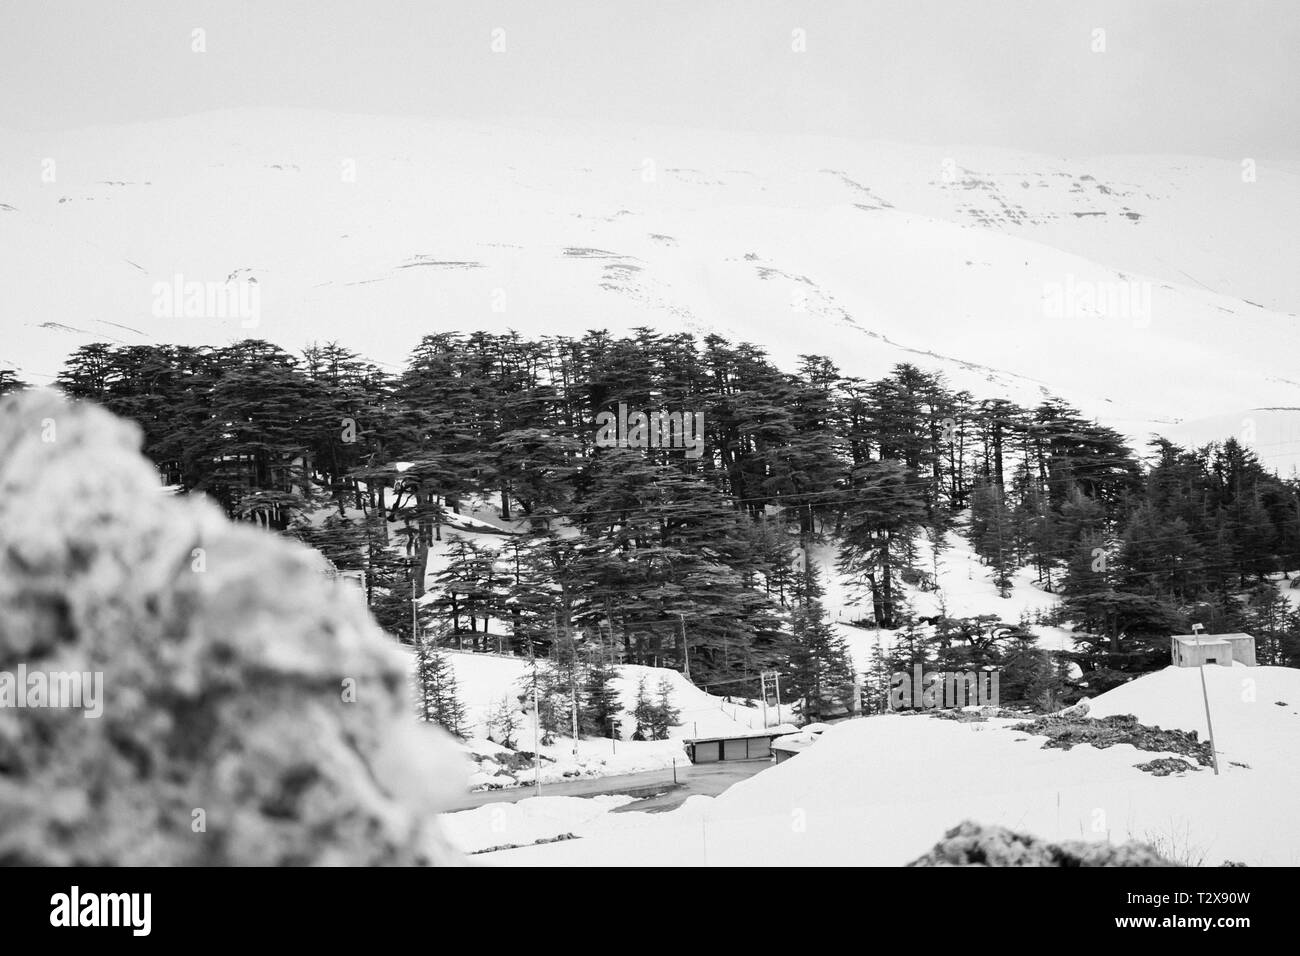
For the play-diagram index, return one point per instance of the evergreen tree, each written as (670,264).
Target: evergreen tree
(503,723)
(882,513)
(644,713)
(665,716)
(819,668)
(600,700)
(542,681)
(437,698)
(992,535)
(876,682)
(10,382)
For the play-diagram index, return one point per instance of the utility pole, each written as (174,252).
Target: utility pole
(537,750)
(686,648)
(415,617)
(574,684)
(573,678)
(1205,694)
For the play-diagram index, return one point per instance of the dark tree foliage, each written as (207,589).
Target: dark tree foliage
(693,554)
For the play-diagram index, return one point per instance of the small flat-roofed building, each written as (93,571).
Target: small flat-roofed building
(791,745)
(741,746)
(783,748)
(1189,650)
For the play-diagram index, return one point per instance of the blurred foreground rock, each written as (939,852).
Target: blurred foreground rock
(972,844)
(225,736)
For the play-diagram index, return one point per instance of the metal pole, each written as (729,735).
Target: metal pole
(415,618)
(1205,694)
(537,750)
(573,684)
(686,648)
(777,676)
(574,705)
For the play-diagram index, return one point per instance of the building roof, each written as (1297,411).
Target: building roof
(792,744)
(774,731)
(1213,638)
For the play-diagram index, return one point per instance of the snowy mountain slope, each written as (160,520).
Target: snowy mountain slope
(988,265)
(882,790)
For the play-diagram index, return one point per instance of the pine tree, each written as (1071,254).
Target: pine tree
(600,700)
(503,723)
(992,535)
(819,669)
(542,681)
(882,513)
(10,382)
(644,713)
(665,716)
(876,682)
(437,697)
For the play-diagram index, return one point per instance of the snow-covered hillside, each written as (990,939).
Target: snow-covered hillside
(984,264)
(881,790)
(484,680)
(964,588)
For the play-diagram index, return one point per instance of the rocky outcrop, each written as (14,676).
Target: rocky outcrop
(1065,731)
(972,844)
(252,712)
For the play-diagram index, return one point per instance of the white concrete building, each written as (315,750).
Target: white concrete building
(1189,650)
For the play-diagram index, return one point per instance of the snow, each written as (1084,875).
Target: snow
(483,679)
(873,253)
(525,822)
(965,589)
(882,790)
(1245,706)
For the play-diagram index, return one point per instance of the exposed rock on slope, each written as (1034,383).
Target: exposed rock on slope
(1065,732)
(226,735)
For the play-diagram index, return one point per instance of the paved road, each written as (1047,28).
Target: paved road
(584,787)
(707,779)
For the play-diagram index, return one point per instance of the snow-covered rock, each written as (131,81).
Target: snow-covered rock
(252,712)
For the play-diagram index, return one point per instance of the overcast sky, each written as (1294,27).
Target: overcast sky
(1214,77)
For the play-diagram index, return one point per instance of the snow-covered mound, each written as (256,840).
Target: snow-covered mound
(882,790)
(532,820)
(1167,281)
(1255,710)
